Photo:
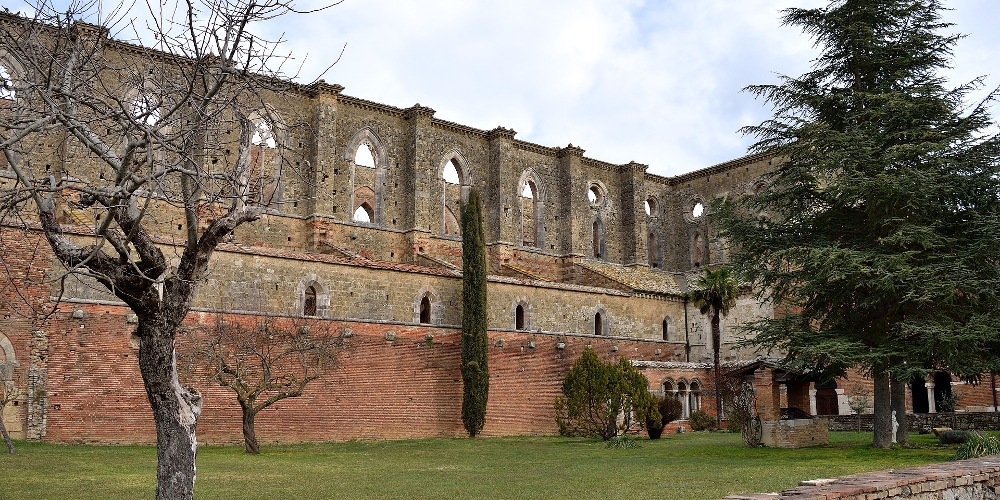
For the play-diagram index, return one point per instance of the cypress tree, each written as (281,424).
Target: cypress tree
(475,343)
(878,231)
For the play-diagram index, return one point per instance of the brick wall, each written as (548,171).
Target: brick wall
(403,388)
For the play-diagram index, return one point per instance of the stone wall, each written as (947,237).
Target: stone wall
(977,479)
(917,421)
(798,433)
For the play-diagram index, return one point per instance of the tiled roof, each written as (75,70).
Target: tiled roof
(638,278)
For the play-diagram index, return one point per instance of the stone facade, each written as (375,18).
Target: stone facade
(364,235)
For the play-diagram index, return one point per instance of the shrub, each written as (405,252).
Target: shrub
(604,399)
(977,445)
(669,409)
(701,421)
(953,436)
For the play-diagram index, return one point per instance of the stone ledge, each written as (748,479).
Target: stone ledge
(961,480)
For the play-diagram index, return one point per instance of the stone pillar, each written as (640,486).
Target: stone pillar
(37,387)
(574,232)
(325,157)
(632,229)
(798,395)
(686,403)
(422,185)
(768,394)
(931,404)
(499,197)
(812,400)
(843,403)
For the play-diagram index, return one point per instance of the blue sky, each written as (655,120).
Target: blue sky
(655,81)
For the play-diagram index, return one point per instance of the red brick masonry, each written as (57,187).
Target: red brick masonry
(962,480)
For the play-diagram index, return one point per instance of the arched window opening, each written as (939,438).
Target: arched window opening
(425,311)
(529,220)
(145,110)
(364,213)
(6,84)
(682,398)
(260,181)
(666,329)
(595,195)
(598,324)
(450,173)
(309,306)
(650,206)
(697,250)
(519,318)
(364,157)
(694,397)
(653,251)
(597,240)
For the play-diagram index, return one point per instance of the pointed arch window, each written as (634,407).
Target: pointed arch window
(364,213)
(666,329)
(598,324)
(309,306)
(531,199)
(364,157)
(425,311)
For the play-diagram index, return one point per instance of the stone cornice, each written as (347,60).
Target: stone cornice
(536,148)
(719,168)
(418,111)
(457,127)
(571,150)
(371,106)
(501,133)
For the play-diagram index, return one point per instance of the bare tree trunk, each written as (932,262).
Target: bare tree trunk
(716,346)
(897,388)
(6,437)
(882,425)
(175,409)
(249,435)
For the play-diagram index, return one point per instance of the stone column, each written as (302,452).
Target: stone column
(931,404)
(686,403)
(574,232)
(843,403)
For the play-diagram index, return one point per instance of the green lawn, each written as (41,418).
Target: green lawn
(687,466)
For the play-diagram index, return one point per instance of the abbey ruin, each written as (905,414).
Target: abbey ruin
(363,233)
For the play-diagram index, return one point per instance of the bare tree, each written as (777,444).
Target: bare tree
(97,130)
(263,360)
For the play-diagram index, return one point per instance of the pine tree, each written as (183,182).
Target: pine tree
(877,234)
(475,343)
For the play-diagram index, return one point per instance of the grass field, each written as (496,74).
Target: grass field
(688,466)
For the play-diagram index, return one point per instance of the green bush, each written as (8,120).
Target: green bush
(604,400)
(977,445)
(669,410)
(701,421)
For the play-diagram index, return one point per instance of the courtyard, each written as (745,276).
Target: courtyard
(687,466)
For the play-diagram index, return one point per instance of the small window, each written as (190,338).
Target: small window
(666,329)
(425,311)
(309,308)
(363,157)
(519,318)
(598,324)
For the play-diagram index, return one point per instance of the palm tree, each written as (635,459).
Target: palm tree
(715,291)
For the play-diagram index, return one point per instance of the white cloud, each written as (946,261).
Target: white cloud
(655,81)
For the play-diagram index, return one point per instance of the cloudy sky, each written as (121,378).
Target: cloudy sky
(654,81)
